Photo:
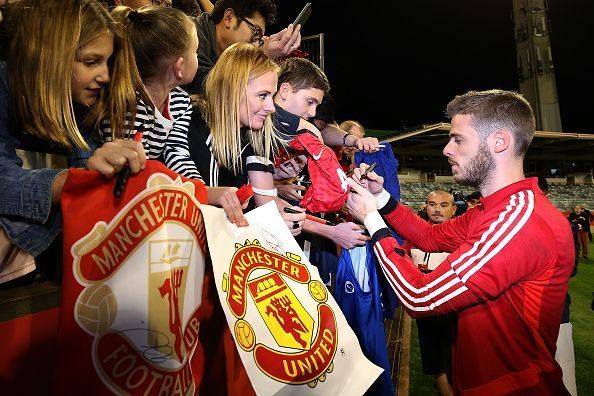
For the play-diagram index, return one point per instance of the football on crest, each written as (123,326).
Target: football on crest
(96,309)
(318,291)
(244,335)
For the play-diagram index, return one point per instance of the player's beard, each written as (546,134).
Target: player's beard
(479,169)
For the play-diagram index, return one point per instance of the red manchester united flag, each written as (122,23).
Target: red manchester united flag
(132,293)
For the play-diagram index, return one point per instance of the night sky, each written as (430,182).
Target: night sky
(440,49)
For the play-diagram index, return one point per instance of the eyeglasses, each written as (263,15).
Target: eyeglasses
(256,31)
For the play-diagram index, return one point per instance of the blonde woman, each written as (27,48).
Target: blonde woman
(231,137)
(164,43)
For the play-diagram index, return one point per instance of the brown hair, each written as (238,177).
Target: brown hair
(244,9)
(302,74)
(497,109)
(156,34)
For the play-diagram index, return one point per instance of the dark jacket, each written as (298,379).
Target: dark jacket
(207,52)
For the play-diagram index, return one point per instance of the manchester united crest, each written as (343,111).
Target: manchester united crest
(142,275)
(300,345)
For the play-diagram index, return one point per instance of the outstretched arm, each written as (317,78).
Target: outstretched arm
(265,191)
(346,235)
(334,136)
(478,270)
(445,237)
(206,6)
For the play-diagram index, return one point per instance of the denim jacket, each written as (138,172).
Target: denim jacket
(26,211)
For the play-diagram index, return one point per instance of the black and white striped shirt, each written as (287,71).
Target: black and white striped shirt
(200,142)
(165,139)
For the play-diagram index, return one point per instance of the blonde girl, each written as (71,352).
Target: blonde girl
(67,70)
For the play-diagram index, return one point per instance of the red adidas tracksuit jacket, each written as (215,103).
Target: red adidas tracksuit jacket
(507,276)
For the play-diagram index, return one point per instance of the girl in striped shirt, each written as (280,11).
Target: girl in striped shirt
(165,45)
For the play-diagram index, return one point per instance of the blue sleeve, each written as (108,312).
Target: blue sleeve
(24,193)
(77,157)
(26,212)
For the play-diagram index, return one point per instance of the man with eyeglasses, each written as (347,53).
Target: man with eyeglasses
(233,21)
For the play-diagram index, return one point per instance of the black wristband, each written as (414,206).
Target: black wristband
(344,138)
(389,207)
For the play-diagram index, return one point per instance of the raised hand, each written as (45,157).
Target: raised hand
(367,144)
(282,43)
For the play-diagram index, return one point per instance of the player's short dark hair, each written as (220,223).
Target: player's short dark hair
(497,109)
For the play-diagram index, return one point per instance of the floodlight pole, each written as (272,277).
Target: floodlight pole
(536,71)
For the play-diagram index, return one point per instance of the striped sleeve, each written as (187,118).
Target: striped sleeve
(143,122)
(163,139)
(479,270)
(256,163)
(213,165)
(445,237)
(176,153)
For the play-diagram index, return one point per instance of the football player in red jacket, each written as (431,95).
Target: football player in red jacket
(511,256)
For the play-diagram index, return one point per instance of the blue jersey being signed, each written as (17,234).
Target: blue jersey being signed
(358,294)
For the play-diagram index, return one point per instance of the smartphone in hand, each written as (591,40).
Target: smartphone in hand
(303,15)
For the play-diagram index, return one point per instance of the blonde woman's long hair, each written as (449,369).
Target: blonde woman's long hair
(47,36)
(225,87)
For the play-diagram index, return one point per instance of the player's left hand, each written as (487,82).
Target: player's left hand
(373,182)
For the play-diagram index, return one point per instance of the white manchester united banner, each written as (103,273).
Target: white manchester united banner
(291,335)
